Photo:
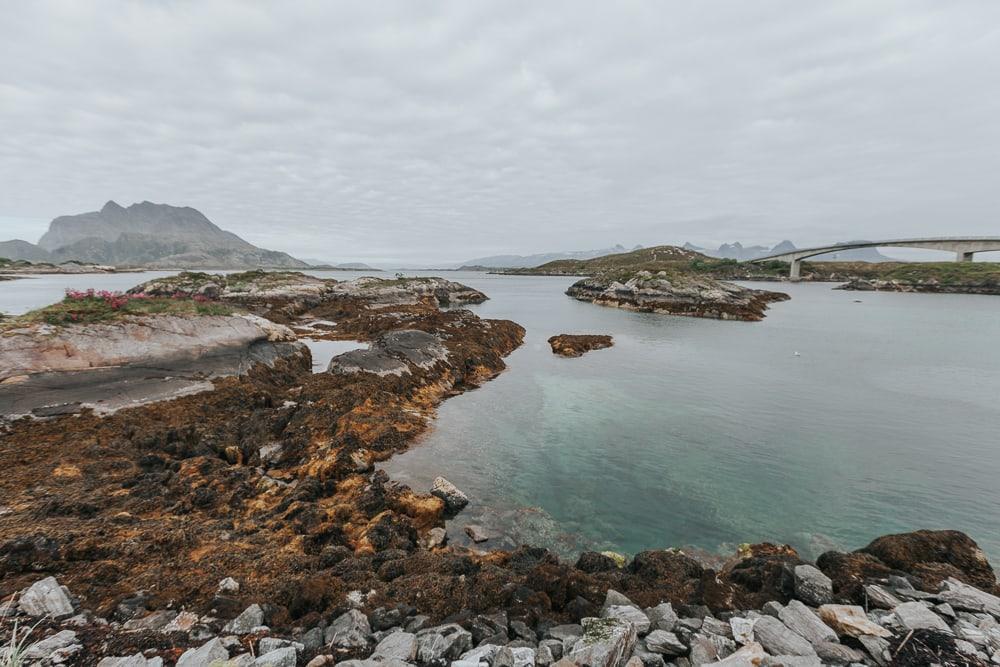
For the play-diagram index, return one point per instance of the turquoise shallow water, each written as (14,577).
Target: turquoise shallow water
(704,433)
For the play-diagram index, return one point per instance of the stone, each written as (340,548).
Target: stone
(182,622)
(964,597)
(742,629)
(205,654)
(444,642)
(46,598)
(778,639)
(634,661)
(322,661)
(564,632)
(281,657)
(397,646)
(835,653)
(850,620)
(137,660)
(946,610)
(615,599)
(417,623)
(880,598)
(812,586)
(155,621)
(877,647)
(750,655)
(484,653)
(713,626)
(454,499)
(242,660)
(349,630)
(665,643)
(522,631)
(554,646)
(606,642)
(915,616)
(228,586)
(633,615)
(805,623)
(268,644)
(662,617)
(476,533)
(45,647)
(252,617)
(436,537)
(312,639)
(706,649)
(544,656)
(790,661)
(514,657)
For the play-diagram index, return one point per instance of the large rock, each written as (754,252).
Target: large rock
(915,616)
(606,642)
(206,654)
(392,353)
(350,630)
(850,572)
(444,642)
(252,617)
(751,655)
(812,586)
(521,656)
(665,643)
(46,647)
(801,619)
(633,615)
(46,598)
(281,657)
(454,499)
(921,552)
(662,617)
(397,646)
(850,621)
(968,598)
(778,639)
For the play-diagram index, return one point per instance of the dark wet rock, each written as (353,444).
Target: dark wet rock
(849,573)
(922,552)
(592,561)
(928,647)
(392,353)
(476,533)
(759,573)
(576,345)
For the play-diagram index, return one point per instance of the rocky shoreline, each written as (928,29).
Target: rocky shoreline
(576,345)
(926,287)
(247,525)
(674,294)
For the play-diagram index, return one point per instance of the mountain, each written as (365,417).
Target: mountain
(529,261)
(743,253)
(657,258)
(346,266)
(22,250)
(149,235)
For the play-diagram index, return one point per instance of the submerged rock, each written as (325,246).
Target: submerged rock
(576,345)
(454,499)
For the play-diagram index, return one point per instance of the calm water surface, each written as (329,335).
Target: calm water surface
(704,433)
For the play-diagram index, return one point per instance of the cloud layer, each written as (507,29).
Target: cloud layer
(425,132)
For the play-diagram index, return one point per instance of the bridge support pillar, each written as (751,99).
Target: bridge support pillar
(962,256)
(794,275)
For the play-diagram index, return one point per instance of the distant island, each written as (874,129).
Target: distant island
(147,235)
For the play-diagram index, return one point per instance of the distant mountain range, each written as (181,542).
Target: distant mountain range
(346,266)
(148,235)
(530,261)
(743,253)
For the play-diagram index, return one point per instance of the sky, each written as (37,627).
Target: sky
(417,132)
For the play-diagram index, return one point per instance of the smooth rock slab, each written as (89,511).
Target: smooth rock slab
(252,617)
(45,647)
(778,639)
(802,621)
(915,616)
(398,646)
(46,598)
(968,598)
(606,642)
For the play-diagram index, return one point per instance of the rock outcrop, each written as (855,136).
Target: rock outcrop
(576,345)
(676,294)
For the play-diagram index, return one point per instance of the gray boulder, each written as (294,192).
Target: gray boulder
(804,622)
(514,657)
(662,617)
(268,644)
(812,586)
(880,598)
(915,616)
(963,597)
(45,647)
(778,639)
(606,642)
(615,599)
(397,646)
(629,613)
(665,643)
(349,630)
(137,660)
(834,653)
(46,598)
(454,500)
(252,617)
(206,654)
(444,642)
(281,657)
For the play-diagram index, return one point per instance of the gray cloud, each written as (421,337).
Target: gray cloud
(408,132)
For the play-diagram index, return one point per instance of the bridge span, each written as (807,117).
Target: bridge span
(964,248)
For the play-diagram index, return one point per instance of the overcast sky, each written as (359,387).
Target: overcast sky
(419,132)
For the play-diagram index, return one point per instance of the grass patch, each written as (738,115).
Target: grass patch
(92,307)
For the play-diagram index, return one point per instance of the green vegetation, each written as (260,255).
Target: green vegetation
(93,307)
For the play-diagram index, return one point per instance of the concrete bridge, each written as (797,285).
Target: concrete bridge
(964,248)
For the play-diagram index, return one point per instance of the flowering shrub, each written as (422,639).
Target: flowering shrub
(114,300)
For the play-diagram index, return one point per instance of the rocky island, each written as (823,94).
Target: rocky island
(576,345)
(247,524)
